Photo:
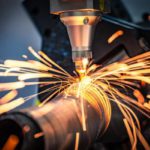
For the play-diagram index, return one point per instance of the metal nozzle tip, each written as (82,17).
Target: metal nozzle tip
(81,65)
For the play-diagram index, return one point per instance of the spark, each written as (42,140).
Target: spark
(11,105)
(96,85)
(8,97)
(77,141)
(26,128)
(148,96)
(38,135)
(129,131)
(147,105)
(11,143)
(25,56)
(139,96)
(83,115)
(116,35)
(11,86)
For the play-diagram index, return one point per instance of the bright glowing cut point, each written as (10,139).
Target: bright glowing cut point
(85,81)
(85,62)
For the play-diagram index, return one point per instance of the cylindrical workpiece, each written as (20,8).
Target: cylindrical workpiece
(55,126)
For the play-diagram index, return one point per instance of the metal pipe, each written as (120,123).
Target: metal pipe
(53,126)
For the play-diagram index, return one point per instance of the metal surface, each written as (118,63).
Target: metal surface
(59,121)
(55,126)
(80,18)
(81,27)
(59,6)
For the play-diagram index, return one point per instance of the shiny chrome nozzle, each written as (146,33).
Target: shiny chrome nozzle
(81,26)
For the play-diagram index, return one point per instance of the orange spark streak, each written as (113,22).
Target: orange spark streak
(33,76)
(143,140)
(26,128)
(115,36)
(24,64)
(38,57)
(38,135)
(83,115)
(139,96)
(53,63)
(11,86)
(11,105)
(147,105)
(77,141)
(10,96)
(148,96)
(11,143)
(129,131)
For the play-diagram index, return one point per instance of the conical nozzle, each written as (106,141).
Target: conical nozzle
(81,26)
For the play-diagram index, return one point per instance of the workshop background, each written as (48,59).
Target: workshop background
(26,23)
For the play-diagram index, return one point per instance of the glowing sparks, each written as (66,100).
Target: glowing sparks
(25,56)
(95,85)
(147,105)
(11,105)
(33,76)
(83,115)
(77,141)
(148,96)
(38,135)
(11,86)
(139,96)
(11,143)
(102,86)
(8,97)
(26,128)
(32,69)
(30,64)
(129,131)
(115,36)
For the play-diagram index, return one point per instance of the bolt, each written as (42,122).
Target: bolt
(86,20)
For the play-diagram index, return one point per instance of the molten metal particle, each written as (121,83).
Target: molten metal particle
(77,141)
(11,143)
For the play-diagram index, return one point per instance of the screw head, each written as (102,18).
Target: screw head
(86,20)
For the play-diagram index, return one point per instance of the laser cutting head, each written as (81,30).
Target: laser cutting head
(80,17)
(80,26)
